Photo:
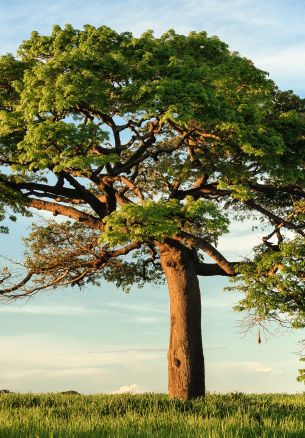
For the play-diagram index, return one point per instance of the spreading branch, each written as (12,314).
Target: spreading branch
(198,242)
(71,212)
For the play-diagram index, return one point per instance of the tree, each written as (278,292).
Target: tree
(150,146)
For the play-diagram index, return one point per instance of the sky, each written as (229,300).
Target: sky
(102,339)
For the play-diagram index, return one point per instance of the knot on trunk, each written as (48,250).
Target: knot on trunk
(171,263)
(177,362)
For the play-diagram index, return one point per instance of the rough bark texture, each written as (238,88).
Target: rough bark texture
(185,356)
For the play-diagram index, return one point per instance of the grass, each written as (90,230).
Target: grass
(151,415)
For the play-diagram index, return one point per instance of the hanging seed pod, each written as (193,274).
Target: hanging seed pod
(259,340)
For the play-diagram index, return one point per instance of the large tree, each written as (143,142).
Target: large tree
(151,146)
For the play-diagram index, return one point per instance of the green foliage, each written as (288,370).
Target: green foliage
(288,120)
(61,145)
(238,191)
(159,220)
(184,78)
(71,75)
(273,283)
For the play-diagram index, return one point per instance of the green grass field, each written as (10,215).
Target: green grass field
(151,415)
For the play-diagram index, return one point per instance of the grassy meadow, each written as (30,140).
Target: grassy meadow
(151,415)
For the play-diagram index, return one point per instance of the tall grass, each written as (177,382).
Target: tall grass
(151,415)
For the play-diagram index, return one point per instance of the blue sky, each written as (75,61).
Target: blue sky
(100,339)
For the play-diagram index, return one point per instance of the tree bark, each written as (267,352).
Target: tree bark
(186,378)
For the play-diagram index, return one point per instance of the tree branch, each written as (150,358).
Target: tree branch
(132,187)
(276,219)
(209,269)
(92,200)
(17,286)
(45,188)
(136,158)
(271,190)
(71,212)
(197,242)
(69,273)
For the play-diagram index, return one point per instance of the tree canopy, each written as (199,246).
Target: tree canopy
(144,141)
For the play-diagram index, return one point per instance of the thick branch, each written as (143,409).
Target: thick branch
(92,200)
(209,269)
(44,188)
(271,190)
(70,212)
(206,191)
(197,242)
(57,198)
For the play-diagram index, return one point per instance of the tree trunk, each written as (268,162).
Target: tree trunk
(185,356)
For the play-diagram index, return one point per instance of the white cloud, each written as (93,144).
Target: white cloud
(133,389)
(241,239)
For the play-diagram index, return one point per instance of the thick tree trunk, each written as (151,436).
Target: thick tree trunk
(185,356)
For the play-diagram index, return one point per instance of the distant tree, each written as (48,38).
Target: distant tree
(301,376)
(301,372)
(151,146)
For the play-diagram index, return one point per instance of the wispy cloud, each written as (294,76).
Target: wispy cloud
(51,373)
(255,367)
(57,310)
(287,63)
(137,312)
(240,241)
(147,319)
(132,350)
(251,376)
(144,307)
(45,351)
